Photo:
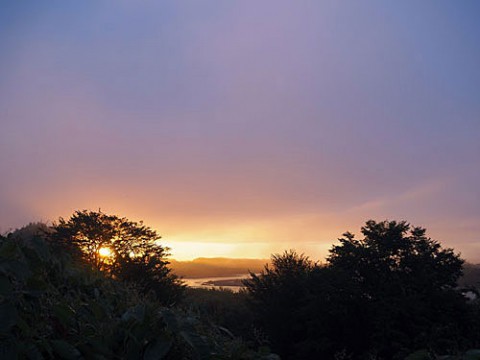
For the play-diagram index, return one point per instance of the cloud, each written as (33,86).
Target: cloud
(283,126)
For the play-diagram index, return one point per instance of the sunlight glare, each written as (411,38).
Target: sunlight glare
(105,252)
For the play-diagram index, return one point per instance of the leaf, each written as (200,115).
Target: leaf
(473,354)
(170,319)
(158,348)
(31,351)
(97,310)
(40,247)
(35,287)
(199,345)
(64,314)
(9,250)
(271,357)
(8,350)
(418,355)
(19,270)
(226,331)
(8,317)
(133,349)
(135,313)
(96,348)
(65,350)
(6,287)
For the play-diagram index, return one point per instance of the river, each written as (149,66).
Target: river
(226,282)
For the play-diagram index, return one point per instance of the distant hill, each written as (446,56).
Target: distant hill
(216,267)
(224,267)
(471,275)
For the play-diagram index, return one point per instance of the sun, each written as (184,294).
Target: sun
(105,252)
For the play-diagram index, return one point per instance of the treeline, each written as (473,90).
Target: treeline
(391,294)
(96,286)
(63,295)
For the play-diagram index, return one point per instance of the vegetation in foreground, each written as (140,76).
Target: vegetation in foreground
(58,302)
(392,294)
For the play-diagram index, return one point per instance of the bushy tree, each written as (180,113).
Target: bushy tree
(276,295)
(395,257)
(54,308)
(124,249)
(410,283)
(382,296)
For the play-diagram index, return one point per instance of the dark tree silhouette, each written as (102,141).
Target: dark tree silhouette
(276,294)
(393,250)
(410,283)
(124,249)
(383,296)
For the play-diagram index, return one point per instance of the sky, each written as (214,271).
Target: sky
(243,128)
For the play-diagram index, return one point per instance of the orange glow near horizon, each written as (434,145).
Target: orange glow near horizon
(189,250)
(249,238)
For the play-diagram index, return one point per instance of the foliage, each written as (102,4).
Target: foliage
(276,294)
(53,307)
(395,251)
(222,307)
(382,296)
(424,354)
(136,255)
(409,281)
(391,294)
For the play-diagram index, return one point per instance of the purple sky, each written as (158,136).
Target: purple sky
(242,128)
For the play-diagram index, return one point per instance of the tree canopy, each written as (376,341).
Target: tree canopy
(407,282)
(54,308)
(390,293)
(384,295)
(277,293)
(124,249)
(396,256)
